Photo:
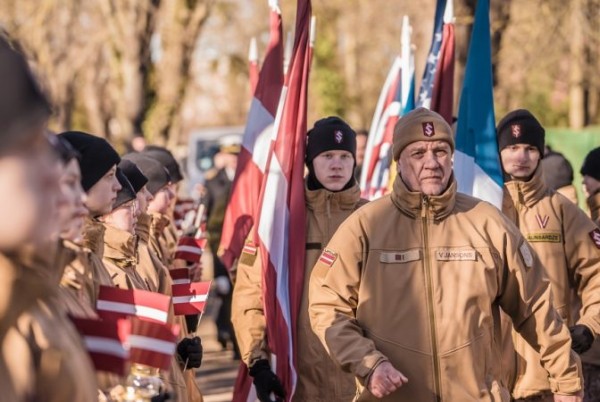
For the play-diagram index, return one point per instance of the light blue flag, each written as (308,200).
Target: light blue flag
(477,160)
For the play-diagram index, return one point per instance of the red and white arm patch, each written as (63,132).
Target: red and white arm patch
(250,248)
(328,257)
(595,236)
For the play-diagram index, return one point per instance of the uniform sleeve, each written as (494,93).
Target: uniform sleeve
(525,296)
(247,313)
(582,250)
(333,300)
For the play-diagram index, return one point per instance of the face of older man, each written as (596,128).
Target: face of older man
(426,166)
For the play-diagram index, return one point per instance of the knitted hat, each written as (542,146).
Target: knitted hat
(97,156)
(330,133)
(420,124)
(521,127)
(22,103)
(558,171)
(134,174)
(591,164)
(126,193)
(157,175)
(166,158)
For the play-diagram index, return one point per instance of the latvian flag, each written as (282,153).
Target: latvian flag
(190,299)
(152,344)
(115,303)
(190,249)
(180,276)
(106,343)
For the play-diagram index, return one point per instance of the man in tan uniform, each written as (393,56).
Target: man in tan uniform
(564,239)
(590,171)
(408,292)
(331,195)
(42,357)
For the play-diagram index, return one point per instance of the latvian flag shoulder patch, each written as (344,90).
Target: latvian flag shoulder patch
(328,257)
(250,248)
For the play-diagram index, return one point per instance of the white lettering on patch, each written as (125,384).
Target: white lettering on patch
(453,254)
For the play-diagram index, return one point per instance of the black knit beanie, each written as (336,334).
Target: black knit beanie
(330,133)
(97,156)
(133,174)
(591,164)
(521,127)
(157,175)
(126,193)
(558,171)
(166,158)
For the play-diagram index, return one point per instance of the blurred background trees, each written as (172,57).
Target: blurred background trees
(160,68)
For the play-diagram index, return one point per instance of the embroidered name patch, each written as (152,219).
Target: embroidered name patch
(400,256)
(544,237)
(453,254)
(595,236)
(328,257)
(526,254)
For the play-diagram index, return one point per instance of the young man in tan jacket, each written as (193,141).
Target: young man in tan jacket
(566,241)
(408,292)
(590,170)
(331,195)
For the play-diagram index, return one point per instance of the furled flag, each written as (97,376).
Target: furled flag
(282,216)
(437,86)
(477,160)
(252,160)
(190,298)
(152,344)
(115,303)
(396,98)
(106,343)
(253,65)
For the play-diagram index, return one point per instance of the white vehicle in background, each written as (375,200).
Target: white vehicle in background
(203,144)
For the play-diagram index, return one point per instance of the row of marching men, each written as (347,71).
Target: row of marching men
(89,263)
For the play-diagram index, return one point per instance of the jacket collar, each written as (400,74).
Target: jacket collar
(159,222)
(93,236)
(594,205)
(323,199)
(120,247)
(142,227)
(411,202)
(526,193)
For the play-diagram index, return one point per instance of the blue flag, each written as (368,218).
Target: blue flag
(477,160)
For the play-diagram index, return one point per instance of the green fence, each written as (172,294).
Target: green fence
(574,145)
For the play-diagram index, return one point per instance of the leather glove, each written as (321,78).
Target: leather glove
(162,397)
(266,382)
(581,338)
(189,351)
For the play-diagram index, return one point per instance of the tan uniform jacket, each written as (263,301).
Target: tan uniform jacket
(561,234)
(120,259)
(150,267)
(569,192)
(593,203)
(93,245)
(419,281)
(42,357)
(160,242)
(319,377)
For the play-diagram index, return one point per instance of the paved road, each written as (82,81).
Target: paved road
(218,371)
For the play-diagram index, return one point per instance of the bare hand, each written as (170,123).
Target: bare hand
(385,380)
(569,398)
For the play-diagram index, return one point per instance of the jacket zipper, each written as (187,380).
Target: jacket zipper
(429,283)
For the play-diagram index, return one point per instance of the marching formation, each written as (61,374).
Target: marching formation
(422,293)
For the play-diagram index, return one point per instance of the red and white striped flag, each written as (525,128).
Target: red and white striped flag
(106,343)
(190,248)
(252,160)
(281,228)
(115,303)
(152,344)
(180,276)
(190,299)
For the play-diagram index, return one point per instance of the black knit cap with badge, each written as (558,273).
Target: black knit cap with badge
(591,164)
(328,134)
(521,127)
(97,156)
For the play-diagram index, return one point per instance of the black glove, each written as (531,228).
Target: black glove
(162,397)
(581,338)
(190,351)
(266,382)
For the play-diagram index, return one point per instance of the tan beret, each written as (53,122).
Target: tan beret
(420,124)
